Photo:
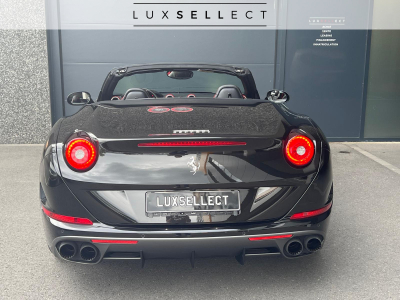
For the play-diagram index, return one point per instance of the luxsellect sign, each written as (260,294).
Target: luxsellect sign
(200,14)
(185,14)
(162,14)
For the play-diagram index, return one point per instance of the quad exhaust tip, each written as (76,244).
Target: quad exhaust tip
(313,243)
(67,250)
(294,247)
(88,252)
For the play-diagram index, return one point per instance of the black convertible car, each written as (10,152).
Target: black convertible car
(184,160)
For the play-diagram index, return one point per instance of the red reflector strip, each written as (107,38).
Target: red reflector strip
(114,242)
(67,219)
(270,237)
(310,214)
(192,144)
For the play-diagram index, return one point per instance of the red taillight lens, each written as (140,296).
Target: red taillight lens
(114,241)
(270,237)
(67,219)
(300,150)
(310,214)
(81,154)
(192,144)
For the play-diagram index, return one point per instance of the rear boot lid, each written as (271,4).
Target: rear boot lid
(122,120)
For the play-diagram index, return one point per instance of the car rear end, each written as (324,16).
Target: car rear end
(230,180)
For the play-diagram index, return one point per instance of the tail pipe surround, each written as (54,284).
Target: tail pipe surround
(313,243)
(67,250)
(294,248)
(88,252)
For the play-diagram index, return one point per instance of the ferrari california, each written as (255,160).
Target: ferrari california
(184,161)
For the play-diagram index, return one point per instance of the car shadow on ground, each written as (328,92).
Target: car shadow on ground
(209,273)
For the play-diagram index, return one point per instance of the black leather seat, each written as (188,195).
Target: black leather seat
(136,93)
(229,91)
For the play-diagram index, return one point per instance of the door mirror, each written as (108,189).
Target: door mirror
(277,96)
(79,98)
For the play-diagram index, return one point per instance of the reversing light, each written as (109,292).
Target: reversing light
(263,192)
(299,150)
(310,214)
(81,154)
(192,144)
(114,241)
(270,237)
(66,219)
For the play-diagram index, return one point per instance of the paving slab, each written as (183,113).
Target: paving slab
(388,151)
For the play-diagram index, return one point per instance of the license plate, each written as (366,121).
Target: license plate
(192,202)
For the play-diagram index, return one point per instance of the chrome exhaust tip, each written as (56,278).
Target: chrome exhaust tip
(294,247)
(88,252)
(67,250)
(313,243)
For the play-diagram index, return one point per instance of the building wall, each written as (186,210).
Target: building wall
(383,100)
(24,84)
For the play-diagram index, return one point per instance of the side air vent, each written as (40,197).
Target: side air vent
(191,131)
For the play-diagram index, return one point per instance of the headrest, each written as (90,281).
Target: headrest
(135,93)
(229,91)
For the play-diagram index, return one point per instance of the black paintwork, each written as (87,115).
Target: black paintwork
(119,126)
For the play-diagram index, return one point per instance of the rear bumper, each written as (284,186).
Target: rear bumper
(187,243)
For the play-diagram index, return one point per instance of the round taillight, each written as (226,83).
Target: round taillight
(81,154)
(299,150)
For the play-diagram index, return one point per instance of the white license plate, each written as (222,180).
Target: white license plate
(192,202)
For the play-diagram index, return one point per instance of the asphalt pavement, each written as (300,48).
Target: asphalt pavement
(360,259)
